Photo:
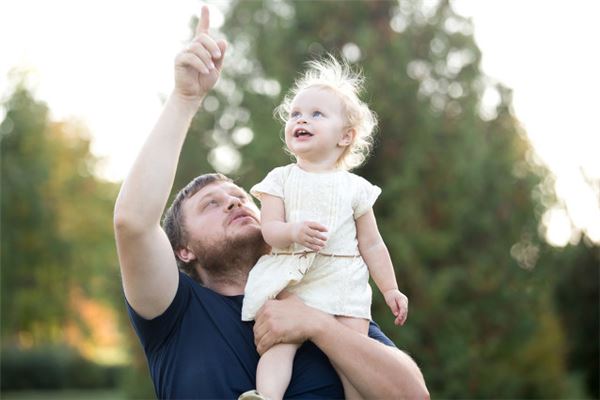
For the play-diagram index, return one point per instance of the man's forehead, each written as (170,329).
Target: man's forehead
(216,188)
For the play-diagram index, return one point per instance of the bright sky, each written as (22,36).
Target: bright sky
(108,62)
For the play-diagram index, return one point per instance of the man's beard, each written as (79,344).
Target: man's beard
(231,259)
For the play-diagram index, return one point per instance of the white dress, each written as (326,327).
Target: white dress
(336,285)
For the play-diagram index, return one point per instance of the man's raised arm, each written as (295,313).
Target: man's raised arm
(148,266)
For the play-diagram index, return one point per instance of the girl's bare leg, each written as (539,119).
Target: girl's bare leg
(361,326)
(274,370)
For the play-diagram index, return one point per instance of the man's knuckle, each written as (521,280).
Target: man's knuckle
(277,331)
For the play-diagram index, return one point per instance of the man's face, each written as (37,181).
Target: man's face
(219,213)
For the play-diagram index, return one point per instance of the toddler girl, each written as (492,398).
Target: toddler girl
(318,217)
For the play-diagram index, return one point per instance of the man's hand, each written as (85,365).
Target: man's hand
(287,320)
(198,66)
(309,234)
(398,303)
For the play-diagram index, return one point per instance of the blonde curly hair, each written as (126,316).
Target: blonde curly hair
(347,83)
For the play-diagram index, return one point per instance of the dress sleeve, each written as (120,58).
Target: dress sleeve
(365,194)
(272,184)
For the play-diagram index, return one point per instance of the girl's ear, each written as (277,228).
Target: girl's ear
(185,254)
(347,137)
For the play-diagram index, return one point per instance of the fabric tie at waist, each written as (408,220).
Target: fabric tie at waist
(305,253)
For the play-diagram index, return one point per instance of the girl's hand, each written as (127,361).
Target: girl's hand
(398,303)
(198,66)
(309,234)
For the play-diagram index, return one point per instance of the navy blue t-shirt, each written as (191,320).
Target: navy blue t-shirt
(199,348)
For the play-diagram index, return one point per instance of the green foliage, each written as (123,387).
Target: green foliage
(56,222)
(56,367)
(457,210)
(578,300)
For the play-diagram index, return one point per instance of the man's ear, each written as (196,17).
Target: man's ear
(347,137)
(186,255)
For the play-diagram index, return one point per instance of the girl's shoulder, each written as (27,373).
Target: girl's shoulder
(283,168)
(357,179)
(280,171)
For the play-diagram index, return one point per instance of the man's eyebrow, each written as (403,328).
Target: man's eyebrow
(205,196)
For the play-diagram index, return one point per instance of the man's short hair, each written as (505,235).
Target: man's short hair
(173,219)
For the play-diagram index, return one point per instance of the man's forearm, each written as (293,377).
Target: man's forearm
(146,189)
(377,371)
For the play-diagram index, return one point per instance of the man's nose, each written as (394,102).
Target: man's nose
(233,203)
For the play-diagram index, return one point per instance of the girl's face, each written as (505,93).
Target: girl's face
(316,127)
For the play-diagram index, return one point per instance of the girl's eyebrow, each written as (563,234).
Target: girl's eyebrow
(311,108)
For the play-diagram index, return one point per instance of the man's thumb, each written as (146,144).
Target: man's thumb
(223,47)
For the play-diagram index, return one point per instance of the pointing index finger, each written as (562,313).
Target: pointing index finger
(204,21)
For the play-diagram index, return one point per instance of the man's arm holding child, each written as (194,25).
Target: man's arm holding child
(377,371)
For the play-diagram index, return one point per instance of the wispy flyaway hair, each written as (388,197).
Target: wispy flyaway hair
(347,83)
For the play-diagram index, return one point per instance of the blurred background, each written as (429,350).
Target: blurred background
(487,153)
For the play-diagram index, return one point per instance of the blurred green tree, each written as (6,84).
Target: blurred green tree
(457,210)
(56,220)
(578,301)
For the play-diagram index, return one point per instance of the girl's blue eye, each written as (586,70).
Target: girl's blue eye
(317,114)
(294,114)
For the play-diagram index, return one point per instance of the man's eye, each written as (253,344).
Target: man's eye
(211,203)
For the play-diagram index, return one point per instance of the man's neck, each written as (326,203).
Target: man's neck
(231,284)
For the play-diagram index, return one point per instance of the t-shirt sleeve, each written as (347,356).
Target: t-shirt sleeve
(365,195)
(376,333)
(272,184)
(153,332)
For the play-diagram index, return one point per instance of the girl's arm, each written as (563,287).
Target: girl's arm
(281,234)
(375,253)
